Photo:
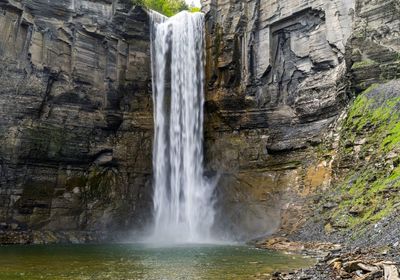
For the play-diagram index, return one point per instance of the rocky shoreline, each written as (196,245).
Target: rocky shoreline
(336,261)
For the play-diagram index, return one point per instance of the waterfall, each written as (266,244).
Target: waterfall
(183,197)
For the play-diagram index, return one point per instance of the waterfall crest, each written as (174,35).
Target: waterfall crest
(183,197)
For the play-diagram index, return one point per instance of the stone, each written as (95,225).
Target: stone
(76,116)
(391,272)
(330,205)
(357,210)
(280,77)
(276,74)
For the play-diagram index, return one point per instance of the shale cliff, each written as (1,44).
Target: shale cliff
(301,118)
(76,120)
(281,75)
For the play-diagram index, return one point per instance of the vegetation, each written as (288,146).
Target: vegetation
(166,7)
(363,63)
(371,190)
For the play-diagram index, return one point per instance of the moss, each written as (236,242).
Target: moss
(368,199)
(371,192)
(363,64)
(358,114)
(392,139)
(101,183)
(380,214)
(385,117)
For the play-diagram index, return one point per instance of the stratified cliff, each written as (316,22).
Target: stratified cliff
(75,118)
(282,129)
(362,203)
(276,84)
(280,75)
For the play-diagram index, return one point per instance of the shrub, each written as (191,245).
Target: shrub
(165,7)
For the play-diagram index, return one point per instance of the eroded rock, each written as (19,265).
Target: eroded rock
(75,119)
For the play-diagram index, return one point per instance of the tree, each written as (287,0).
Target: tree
(166,7)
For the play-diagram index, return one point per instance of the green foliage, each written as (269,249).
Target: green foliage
(371,192)
(166,7)
(194,9)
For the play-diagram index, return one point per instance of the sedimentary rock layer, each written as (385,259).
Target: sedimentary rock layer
(280,74)
(75,115)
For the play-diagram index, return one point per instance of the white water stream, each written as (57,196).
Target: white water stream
(183,197)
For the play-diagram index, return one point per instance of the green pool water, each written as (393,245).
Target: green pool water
(126,261)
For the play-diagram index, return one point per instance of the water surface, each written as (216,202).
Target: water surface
(141,262)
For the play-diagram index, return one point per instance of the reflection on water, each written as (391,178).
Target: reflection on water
(141,262)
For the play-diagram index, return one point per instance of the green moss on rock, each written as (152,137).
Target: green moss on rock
(100,183)
(363,64)
(370,145)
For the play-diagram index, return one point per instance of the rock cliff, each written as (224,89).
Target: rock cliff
(76,120)
(281,75)
(282,128)
(361,205)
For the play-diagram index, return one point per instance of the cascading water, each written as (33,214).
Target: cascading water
(183,204)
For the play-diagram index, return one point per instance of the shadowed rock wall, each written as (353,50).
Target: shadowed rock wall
(75,115)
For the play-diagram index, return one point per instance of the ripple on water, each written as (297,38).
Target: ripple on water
(141,262)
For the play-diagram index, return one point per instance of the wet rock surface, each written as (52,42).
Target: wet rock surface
(76,116)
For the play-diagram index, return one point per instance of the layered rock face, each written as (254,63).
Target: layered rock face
(76,120)
(76,115)
(280,74)
(277,83)
(375,43)
(362,204)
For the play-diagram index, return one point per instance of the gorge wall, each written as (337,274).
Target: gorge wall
(282,131)
(281,75)
(76,123)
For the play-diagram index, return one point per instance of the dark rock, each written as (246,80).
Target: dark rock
(75,120)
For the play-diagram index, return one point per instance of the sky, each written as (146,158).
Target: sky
(195,2)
